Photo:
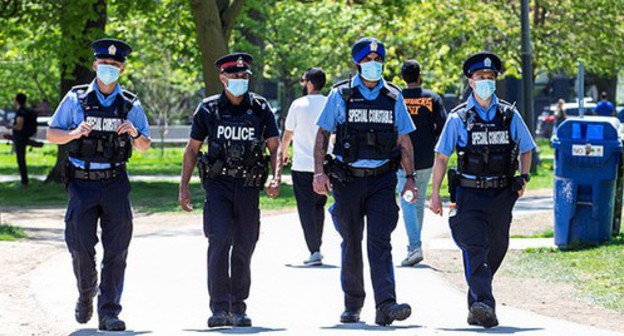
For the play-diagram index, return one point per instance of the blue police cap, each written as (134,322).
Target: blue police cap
(233,63)
(482,61)
(365,46)
(107,48)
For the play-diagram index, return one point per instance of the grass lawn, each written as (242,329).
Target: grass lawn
(147,197)
(11,233)
(597,271)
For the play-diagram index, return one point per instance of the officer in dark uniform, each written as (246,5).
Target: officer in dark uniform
(488,135)
(237,126)
(100,123)
(372,129)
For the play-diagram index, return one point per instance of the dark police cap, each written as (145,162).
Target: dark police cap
(410,70)
(482,61)
(233,63)
(107,48)
(365,46)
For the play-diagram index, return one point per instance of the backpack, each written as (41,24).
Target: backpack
(30,123)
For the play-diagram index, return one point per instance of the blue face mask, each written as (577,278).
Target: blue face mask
(107,73)
(485,88)
(237,87)
(371,71)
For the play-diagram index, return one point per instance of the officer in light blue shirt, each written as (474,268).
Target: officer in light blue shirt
(372,126)
(489,136)
(100,123)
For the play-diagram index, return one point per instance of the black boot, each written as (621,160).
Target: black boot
(350,316)
(111,323)
(241,320)
(84,310)
(220,319)
(388,312)
(483,315)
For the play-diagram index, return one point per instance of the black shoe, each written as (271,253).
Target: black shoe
(84,310)
(483,315)
(388,312)
(350,316)
(220,319)
(111,323)
(241,320)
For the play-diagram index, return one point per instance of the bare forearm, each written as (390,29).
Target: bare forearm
(188,164)
(407,154)
(276,162)
(59,136)
(439,170)
(320,149)
(143,143)
(286,139)
(525,162)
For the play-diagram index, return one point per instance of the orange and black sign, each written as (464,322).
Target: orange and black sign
(414,104)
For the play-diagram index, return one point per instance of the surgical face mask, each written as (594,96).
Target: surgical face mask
(485,88)
(371,71)
(107,73)
(237,87)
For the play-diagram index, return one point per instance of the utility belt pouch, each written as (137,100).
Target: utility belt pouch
(453,182)
(67,172)
(336,171)
(202,166)
(258,174)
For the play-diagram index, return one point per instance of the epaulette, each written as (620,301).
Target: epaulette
(392,90)
(259,100)
(508,110)
(80,89)
(211,98)
(128,95)
(458,107)
(342,82)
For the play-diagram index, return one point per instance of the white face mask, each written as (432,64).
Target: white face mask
(485,88)
(107,73)
(371,71)
(237,87)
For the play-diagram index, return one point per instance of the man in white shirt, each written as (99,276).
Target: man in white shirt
(301,125)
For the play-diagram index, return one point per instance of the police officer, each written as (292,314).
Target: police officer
(238,126)
(372,130)
(488,135)
(100,123)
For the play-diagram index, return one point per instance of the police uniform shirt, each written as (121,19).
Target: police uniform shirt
(455,133)
(333,113)
(69,115)
(428,114)
(201,120)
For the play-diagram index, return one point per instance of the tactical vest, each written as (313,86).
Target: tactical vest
(490,151)
(103,144)
(369,130)
(237,138)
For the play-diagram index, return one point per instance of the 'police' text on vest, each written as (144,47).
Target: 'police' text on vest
(236,133)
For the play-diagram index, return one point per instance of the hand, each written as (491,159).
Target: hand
(410,184)
(435,204)
(321,184)
(521,191)
(84,129)
(127,127)
(273,188)
(285,158)
(184,199)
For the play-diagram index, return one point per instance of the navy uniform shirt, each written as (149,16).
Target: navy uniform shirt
(455,133)
(200,127)
(333,113)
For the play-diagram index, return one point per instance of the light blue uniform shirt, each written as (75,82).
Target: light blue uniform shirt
(69,115)
(333,113)
(455,133)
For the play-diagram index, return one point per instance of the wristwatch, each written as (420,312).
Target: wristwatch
(526,177)
(412,175)
(137,136)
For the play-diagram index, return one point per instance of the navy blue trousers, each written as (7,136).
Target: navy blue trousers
(109,202)
(481,230)
(231,224)
(311,209)
(373,198)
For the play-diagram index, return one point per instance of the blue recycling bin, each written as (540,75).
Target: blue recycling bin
(587,159)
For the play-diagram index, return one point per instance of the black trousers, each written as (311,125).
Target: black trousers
(373,198)
(109,202)
(231,224)
(20,153)
(311,208)
(481,230)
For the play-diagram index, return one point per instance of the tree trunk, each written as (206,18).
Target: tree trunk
(607,84)
(214,20)
(77,72)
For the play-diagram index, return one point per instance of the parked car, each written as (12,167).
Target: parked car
(546,119)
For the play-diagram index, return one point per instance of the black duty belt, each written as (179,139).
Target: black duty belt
(366,172)
(100,174)
(481,183)
(234,172)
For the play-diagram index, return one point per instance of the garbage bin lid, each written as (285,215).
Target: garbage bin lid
(590,128)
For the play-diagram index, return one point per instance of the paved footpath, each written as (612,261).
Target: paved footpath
(165,290)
